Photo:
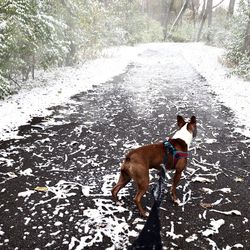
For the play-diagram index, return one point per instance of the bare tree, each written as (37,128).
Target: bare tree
(247,38)
(178,18)
(203,10)
(193,12)
(207,12)
(194,5)
(209,21)
(231,8)
(168,4)
(218,4)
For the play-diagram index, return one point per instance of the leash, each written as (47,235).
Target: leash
(150,237)
(158,189)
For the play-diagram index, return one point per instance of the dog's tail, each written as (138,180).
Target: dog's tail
(125,167)
(128,157)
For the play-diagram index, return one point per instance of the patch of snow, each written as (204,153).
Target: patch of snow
(186,198)
(207,190)
(224,190)
(3,25)
(214,229)
(26,172)
(58,223)
(192,238)
(172,234)
(217,202)
(213,244)
(233,247)
(26,194)
(210,141)
(201,179)
(9,162)
(27,220)
(232,91)
(245,220)
(232,212)
(56,86)
(100,222)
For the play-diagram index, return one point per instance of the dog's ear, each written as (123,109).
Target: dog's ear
(193,120)
(180,121)
(192,126)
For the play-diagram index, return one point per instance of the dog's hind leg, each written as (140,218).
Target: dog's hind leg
(124,179)
(142,187)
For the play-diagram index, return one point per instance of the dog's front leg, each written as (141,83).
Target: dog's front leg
(180,166)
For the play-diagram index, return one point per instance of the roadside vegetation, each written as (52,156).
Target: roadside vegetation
(40,34)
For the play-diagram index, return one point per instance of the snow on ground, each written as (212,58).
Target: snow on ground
(232,91)
(56,86)
(100,221)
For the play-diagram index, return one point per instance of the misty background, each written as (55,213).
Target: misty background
(39,35)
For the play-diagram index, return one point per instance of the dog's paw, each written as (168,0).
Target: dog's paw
(144,215)
(177,202)
(119,202)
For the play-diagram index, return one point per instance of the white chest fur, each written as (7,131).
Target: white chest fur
(184,134)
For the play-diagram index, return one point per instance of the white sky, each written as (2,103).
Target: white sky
(224,4)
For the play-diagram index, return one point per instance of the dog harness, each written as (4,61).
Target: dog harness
(169,148)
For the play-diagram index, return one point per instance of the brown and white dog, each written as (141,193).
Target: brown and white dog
(138,162)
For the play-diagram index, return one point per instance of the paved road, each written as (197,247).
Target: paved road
(75,154)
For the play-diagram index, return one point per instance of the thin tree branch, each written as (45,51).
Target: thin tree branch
(184,6)
(215,6)
(14,81)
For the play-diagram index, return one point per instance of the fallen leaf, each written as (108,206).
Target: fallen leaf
(41,189)
(206,205)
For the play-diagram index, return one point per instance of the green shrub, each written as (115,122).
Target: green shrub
(235,56)
(42,34)
(183,33)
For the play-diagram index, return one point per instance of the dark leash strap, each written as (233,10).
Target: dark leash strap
(158,189)
(150,237)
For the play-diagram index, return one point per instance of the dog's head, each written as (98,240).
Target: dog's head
(187,130)
(191,125)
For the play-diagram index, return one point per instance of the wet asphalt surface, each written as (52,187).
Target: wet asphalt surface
(77,150)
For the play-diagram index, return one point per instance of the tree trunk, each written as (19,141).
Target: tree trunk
(210,15)
(203,10)
(218,4)
(247,38)
(148,8)
(193,13)
(231,8)
(206,12)
(33,66)
(194,7)
(169,4)
(178,18)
